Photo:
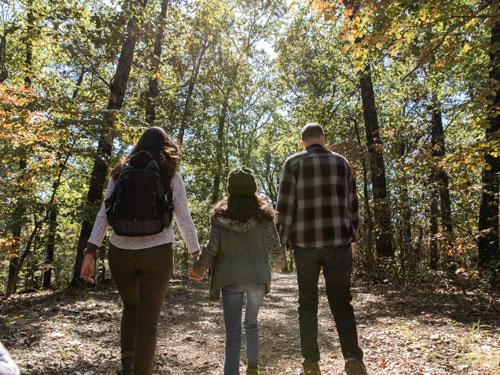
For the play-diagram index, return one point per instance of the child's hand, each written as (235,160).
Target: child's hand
(193,276)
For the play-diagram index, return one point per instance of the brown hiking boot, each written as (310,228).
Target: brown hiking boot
(252,370)
(310,368)
(126,366)
(354,366)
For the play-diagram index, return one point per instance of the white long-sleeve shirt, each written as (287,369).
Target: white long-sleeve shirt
(181,215)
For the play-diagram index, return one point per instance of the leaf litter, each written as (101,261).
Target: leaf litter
(402,331)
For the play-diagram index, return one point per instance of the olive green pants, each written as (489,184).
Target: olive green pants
(141,277)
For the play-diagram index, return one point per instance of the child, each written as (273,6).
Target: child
(242,235)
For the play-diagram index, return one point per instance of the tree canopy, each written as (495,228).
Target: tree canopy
(407,91)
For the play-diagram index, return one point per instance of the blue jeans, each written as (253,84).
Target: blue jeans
(233,297)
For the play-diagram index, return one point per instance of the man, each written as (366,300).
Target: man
(318,218)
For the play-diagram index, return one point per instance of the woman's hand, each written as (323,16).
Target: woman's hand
(193,276)
(87,272)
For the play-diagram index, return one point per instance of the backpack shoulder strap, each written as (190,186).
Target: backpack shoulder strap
(143,160)
(142,153)
(169,193)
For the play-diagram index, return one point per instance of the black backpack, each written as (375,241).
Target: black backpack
(140,204)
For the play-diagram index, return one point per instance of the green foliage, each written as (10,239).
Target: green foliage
(240,79)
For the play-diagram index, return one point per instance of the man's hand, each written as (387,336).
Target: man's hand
(353,249)
(87,272)
(193,276)
(195,256)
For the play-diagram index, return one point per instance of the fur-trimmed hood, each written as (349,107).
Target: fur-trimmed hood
(234,225)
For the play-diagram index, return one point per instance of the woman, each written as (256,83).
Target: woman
(242,235)
(142,264)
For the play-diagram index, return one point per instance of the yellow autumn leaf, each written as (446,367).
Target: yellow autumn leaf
(409,34)
(471,23)
(393,50)
(357,53)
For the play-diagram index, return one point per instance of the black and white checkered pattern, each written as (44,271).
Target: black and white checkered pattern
(317,200)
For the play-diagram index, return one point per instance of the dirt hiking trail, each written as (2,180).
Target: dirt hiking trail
(407,332)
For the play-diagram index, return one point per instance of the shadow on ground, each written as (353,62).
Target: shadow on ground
(408,331)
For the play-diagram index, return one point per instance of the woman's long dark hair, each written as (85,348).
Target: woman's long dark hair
(244,208)
(159,144)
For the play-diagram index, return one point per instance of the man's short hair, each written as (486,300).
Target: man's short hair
(311,130)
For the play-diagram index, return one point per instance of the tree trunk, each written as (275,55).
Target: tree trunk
(220,145)
(368,220)
(405,219)
(186,111)
(381,205)
(4,73)
(433,219)
(268,179)
(29,275)
(51,240)
(434,190)
(437,141)
(29,49)
(15,264)
(17,219)
(25,254)
(438,152)
(118,87)
(189,95)
(153,82)
(417,248)
(488,212)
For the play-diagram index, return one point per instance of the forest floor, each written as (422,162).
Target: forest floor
(407,332)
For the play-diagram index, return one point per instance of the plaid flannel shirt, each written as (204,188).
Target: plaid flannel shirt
(317,201)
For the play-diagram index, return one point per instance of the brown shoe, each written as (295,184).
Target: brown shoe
(252,370)
(354,366)
(310,368)
(126,366)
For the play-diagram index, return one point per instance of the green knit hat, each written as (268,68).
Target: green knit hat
(241,182)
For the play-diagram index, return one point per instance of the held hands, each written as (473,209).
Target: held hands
(279,269)
(193,276)
(195,256)
(87,272)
